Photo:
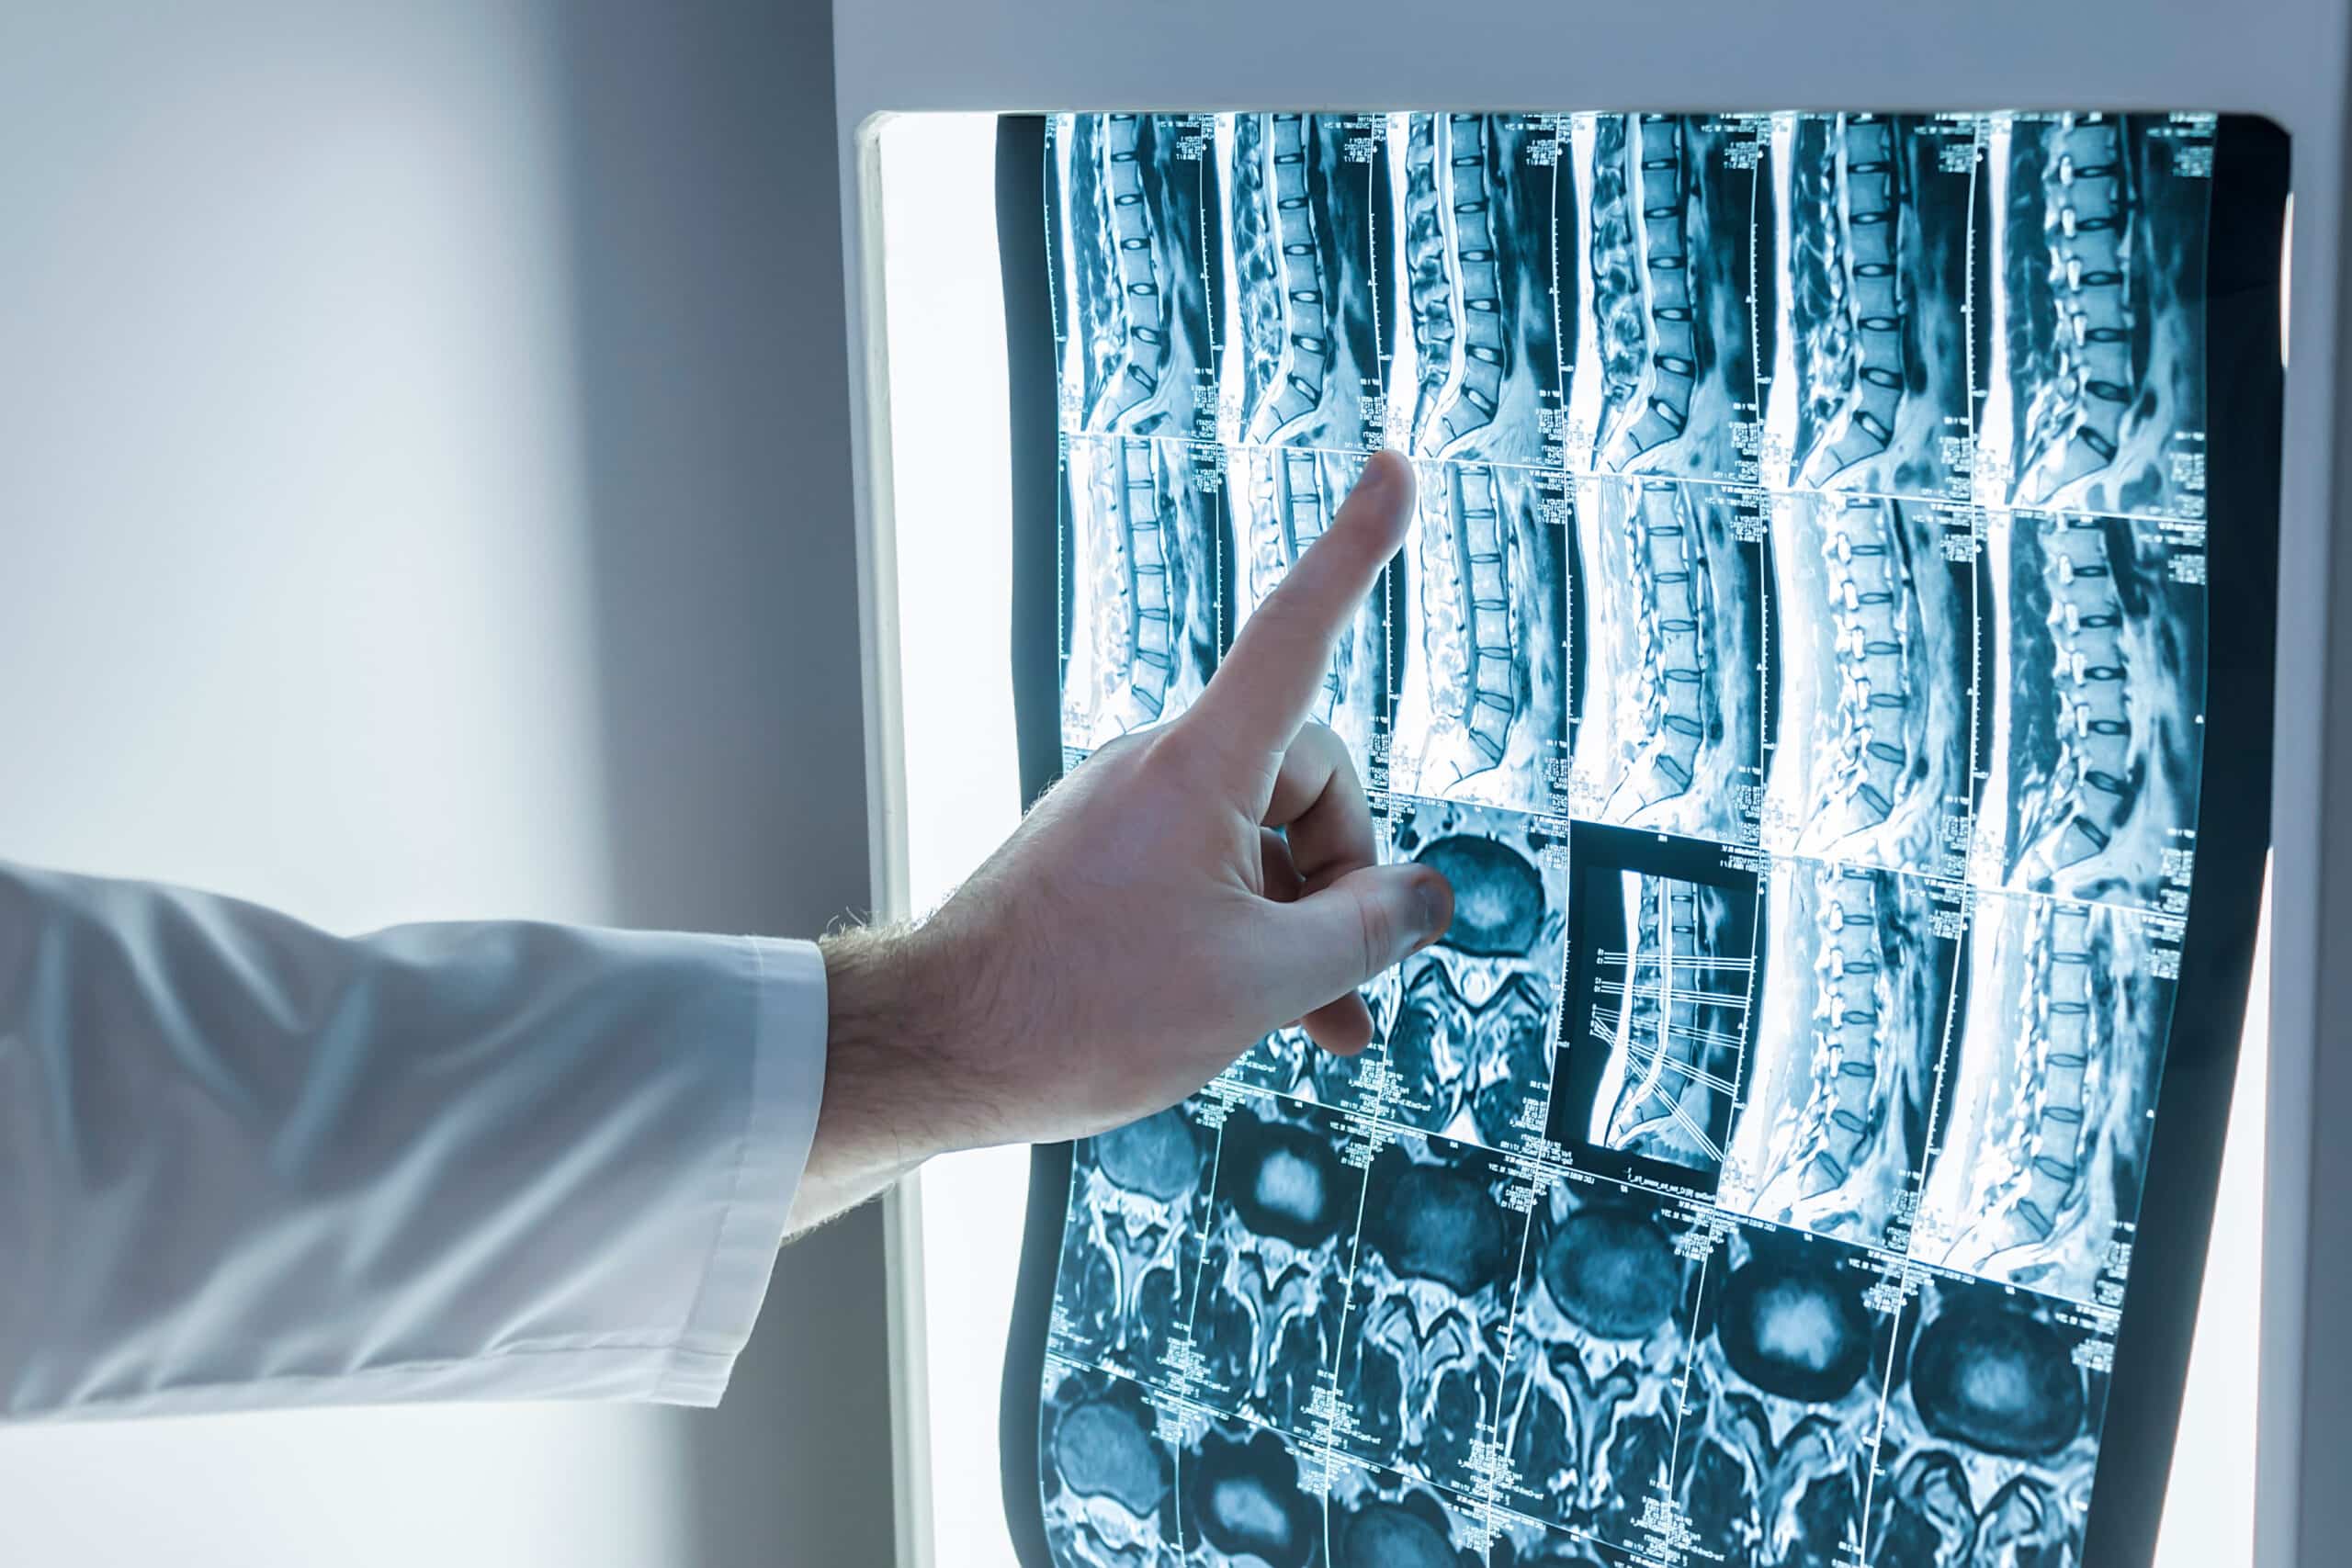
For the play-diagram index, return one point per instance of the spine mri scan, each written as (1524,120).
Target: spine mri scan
(1797,665)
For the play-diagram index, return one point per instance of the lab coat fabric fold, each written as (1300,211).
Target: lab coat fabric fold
(244,1163)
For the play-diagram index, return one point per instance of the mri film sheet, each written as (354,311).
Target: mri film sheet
(1140,533)
(1664,942)
(1479,288)
(1671,606)
(1798,665)
(1991,1428)
(2041,1147)
(1280,500)
(1308,228)
(1860,972)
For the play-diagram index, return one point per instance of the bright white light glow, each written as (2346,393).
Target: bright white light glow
(951,478)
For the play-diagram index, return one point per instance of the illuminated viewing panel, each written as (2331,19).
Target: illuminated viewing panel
(1801,667)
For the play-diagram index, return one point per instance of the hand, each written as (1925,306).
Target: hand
(1188,890)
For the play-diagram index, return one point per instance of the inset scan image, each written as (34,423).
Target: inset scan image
(2096,729)
(1667,334)
(1670,724)
(1665,940)
(1869,391)
(1992,1427)
(1858,978)
(1108,1478)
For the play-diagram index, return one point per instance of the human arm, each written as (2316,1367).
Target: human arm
(245,1162)
(1183,892)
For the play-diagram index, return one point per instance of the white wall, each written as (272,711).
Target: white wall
(424,492)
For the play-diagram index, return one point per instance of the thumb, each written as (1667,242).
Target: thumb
(1325,945)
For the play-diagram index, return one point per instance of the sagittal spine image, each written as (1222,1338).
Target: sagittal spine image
(1281,500)
(1482,702)
(2036,1172)
(2095,391)
(1130,194)
(1876,601)
(1660,1012)
(1991,1431)
(1140,528)
(1304,213)
(1671,729)
(1870,389)
(1666,352)
(1107,1476)
(1418,1375)
(2096,721)
(1832,1138)
(1479,282)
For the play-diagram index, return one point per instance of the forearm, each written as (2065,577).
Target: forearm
(898,1090)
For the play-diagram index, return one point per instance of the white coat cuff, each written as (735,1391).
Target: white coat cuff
(787,1084)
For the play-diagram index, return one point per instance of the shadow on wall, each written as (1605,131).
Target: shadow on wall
(704,221)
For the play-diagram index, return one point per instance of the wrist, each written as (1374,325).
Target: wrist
(897,1085)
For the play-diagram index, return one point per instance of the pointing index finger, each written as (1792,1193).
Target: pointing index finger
(1267,685)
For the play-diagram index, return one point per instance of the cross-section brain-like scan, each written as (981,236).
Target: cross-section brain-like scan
(1801,664)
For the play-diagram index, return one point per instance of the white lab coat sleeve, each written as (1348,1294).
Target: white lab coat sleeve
(245,1164)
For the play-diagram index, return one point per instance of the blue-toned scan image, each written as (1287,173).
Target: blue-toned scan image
(1798,665)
